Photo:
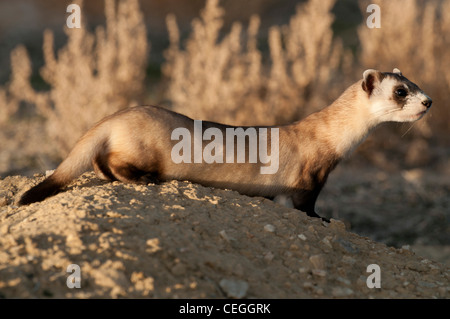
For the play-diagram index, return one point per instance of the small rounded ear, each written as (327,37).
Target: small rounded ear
(371,78)
(397,71)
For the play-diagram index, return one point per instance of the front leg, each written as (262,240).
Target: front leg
(306,201)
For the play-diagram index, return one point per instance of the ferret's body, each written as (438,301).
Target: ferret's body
(135,145)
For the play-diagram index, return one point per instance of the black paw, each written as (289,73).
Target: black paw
(325,219)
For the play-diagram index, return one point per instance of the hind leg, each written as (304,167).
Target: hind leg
(101,172)
(126,172)
(101,167)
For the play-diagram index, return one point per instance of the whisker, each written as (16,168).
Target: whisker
(408,129)
(383,112)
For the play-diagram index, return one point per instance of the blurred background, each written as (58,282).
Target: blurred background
(244,63)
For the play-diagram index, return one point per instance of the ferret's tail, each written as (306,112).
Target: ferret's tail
(77,162)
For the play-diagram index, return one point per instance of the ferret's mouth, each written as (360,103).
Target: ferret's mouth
(420,114)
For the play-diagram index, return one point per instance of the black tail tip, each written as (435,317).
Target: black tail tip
(40,192)
(30,197)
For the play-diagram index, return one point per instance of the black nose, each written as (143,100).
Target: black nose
(427,102)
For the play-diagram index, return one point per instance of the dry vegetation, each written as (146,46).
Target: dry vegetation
(222,80)
(92,76)
(224,75)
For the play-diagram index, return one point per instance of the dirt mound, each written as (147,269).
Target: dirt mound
(183,240)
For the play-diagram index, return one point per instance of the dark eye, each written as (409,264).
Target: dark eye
(401,92)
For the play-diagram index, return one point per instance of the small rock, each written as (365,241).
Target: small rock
(327,242)
(3,201)
(341,291)
(49,172)
(337,225)
(317,261)
(348,246)
(318,290)
(81,213)
(302,270)
(153,245)
(224,236)
(4,230)
(234,288)
(268,256)
(312,230)
(344,281)
(302,237)
(426,284)
(319,272)
(308,285)
(269,228)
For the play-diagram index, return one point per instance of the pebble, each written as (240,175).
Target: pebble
(337,225)
(234,288)
(3,201)
(341,291)
(318,290)
(4,229)
(426,284)
(319,272)
(317,261)
(302,237)
(327,242)
(81,213)
(153,245)
(268,256)
(49,172)
(269,228)
(302,270)
(344,281)
(348,246)
(224,236)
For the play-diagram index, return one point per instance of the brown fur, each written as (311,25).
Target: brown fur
(134,146)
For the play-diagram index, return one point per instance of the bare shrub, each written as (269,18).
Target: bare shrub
(211,78)
(92,75)
(21,72)
(221,80)
(303,70)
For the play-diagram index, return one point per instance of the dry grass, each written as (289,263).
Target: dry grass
(212,79)
(306,61)
(92,75)
(223,80)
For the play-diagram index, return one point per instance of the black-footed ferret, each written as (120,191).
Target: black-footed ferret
(138,145)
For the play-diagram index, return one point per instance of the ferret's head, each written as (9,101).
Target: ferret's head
(393,98)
